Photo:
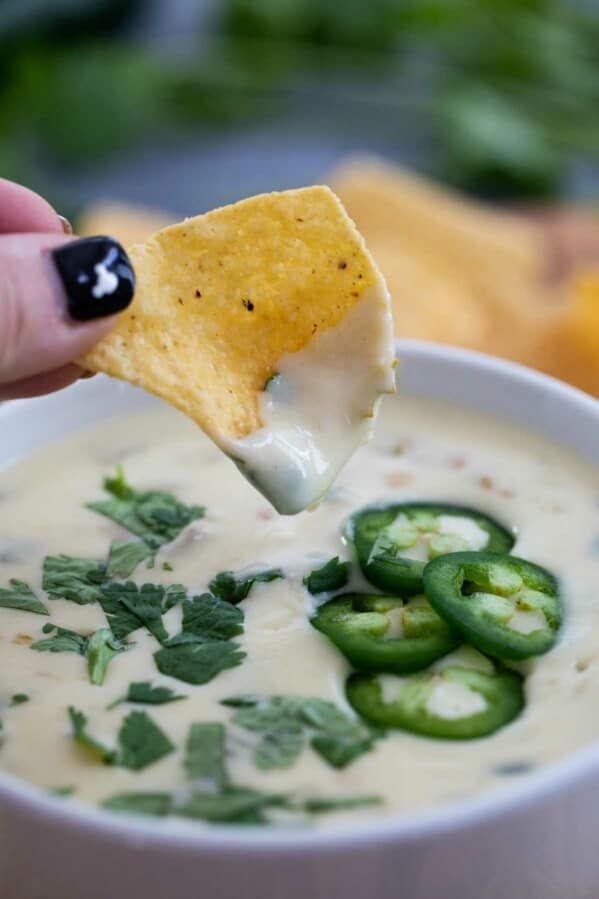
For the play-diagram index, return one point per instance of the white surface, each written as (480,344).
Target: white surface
(537,840)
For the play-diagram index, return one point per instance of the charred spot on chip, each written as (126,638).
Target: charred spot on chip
(248,305)
(342,264)
(198,293)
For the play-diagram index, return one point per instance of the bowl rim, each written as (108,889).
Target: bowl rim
(432,822)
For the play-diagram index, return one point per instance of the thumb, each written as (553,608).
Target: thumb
(58,298)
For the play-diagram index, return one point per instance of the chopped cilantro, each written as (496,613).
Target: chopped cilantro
(282,721)
(122,622)
(124,557)
(19,699)
(166,566)
(76,579)
(20,596)
(238,805)
(210,618)
(102,646)
(141,742)
(332,576)
(234,587)
(145,605)
(339,751)
(153,515)
(81,736)
(62,791)
(156,804)
(205,755)
(198,662)
(143,692)
(62,640)
(318,804)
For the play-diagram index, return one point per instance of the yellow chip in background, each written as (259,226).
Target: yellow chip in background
(224,299)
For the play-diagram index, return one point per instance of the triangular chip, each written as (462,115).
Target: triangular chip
(279,284)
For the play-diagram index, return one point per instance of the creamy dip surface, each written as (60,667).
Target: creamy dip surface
(305,441)
(422,450)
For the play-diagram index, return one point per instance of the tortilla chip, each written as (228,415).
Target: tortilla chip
(223,296)
(129,224)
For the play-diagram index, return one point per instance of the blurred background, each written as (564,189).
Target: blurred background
(182,105)
(185,104)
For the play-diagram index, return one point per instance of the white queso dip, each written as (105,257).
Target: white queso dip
(236,591)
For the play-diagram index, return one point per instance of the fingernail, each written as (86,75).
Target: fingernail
(97,276)
(66,225)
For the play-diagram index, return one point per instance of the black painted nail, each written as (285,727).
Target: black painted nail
(97,276)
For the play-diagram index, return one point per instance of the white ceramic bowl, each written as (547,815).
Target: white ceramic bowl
(536,840)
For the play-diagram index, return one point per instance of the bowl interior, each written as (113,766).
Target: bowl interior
(472,380)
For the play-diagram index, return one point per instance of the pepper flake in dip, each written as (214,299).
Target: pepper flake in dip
(269,324)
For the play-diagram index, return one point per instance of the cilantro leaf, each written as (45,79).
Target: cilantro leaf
(155,804)
(153,515)
(102,646)
(20,596)
(281,733)
(62,791)
(198,662)
(144,692)
(210,618)
(124,557)
(318,804)
(72,578)
(340,751)
(145,604)
(205,754)
(141,742)
(122,622)
(233,587)
(19,699)
(81,736)
(62,640)
(332,576)
(282,721)
(238,805)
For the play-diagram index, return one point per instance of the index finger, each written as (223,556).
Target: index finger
(23,211)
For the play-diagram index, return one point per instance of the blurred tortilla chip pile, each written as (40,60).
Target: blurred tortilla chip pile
(459,272)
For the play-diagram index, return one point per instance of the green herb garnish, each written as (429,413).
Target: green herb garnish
(236,806)
(233,587)
(20,596)
(319,804)
(19,699)
(143,692)
(62,791)
(155,804)
(282,723)
(153,515)
(80,735)
(102,646)
(332,576)
(141,742)
(124,557)
(210,618)
(198,662)
(145,604)
(205,755)
(72,578)
(62,640)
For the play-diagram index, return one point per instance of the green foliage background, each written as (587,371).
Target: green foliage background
(506,92)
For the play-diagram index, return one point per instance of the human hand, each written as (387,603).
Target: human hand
(58,295)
